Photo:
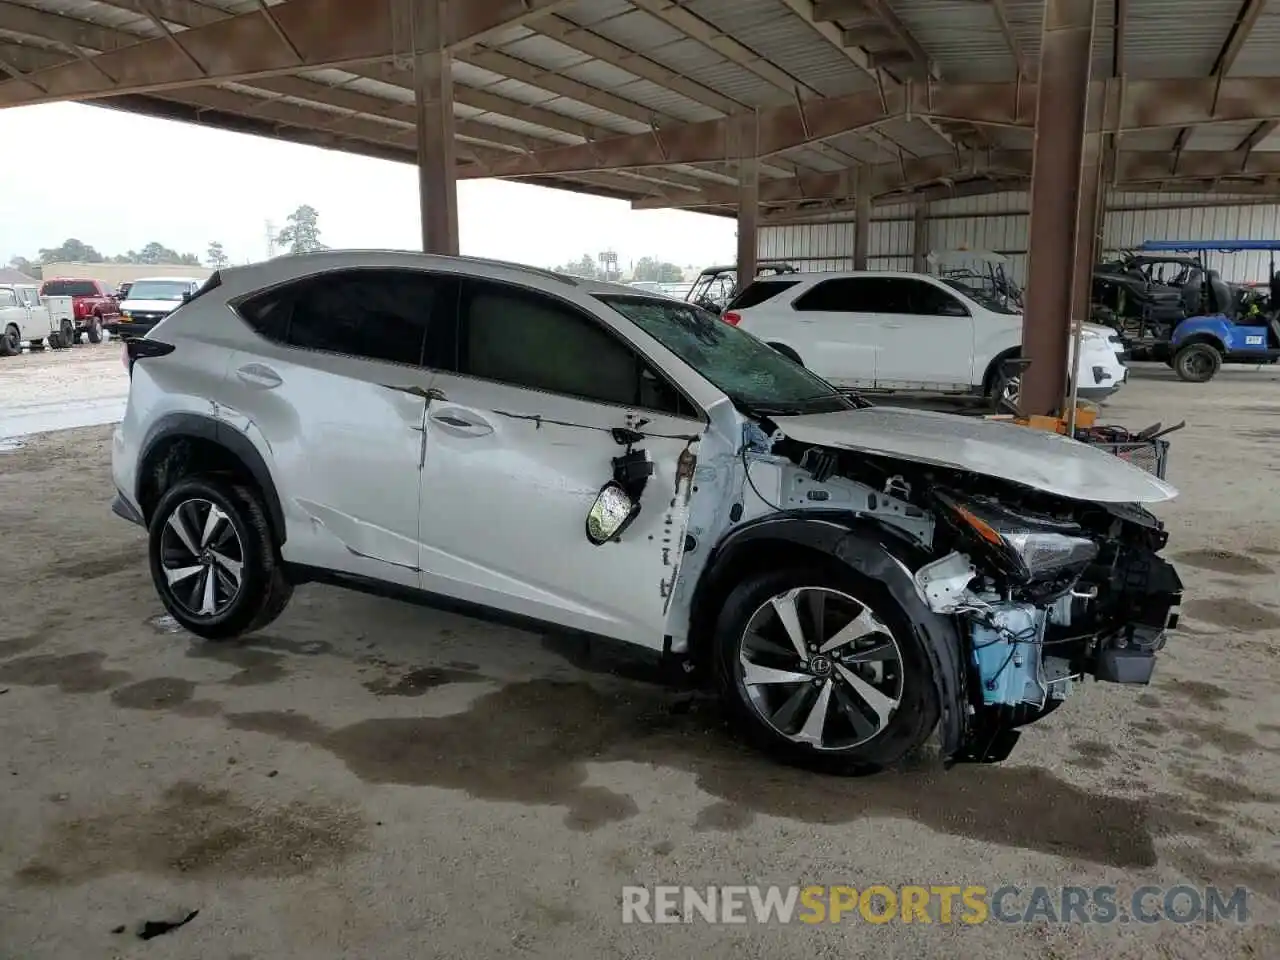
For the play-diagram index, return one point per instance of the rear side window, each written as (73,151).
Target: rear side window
(930,301)
(8,298)
(376,314)
(758,292)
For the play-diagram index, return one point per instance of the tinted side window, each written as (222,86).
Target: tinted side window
(829,295)
(379,314)
(930,301)
(526,339)
(856,295)
(758,292)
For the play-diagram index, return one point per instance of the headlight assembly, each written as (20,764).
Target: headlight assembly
(1025,548)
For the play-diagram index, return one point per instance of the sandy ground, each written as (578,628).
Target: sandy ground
(374,779)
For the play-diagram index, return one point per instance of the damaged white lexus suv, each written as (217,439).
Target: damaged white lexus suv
(583,457)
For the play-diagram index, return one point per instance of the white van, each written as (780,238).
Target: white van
(149,301)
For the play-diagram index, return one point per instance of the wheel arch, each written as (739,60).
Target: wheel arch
(989,376)
(837,539)
(184,444)
(1210,339)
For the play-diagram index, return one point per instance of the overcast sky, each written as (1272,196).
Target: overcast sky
(118,181)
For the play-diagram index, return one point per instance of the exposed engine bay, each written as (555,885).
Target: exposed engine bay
(1045,590)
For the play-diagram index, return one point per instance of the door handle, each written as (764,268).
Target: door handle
(259,375)
(467,426)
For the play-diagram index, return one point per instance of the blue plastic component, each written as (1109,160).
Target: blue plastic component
(1010,670)
(1191,246)
(1231,337)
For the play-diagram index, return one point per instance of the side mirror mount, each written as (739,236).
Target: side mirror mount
(611,514)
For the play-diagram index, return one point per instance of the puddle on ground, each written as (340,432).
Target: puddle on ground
(258,658)
(1207,695)
(196,831)
(615,659)
(165,693)
(1148,700)
(105,564)
(1265,551)
(1223,561)
(164,623)
(531,743)
(72,673)
(8,444)
(1240,615)
(1092,754)
(417,682)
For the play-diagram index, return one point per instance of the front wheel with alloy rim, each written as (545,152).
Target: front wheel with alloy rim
(821,667)
(213,559)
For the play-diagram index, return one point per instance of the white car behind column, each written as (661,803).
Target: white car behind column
(908,332)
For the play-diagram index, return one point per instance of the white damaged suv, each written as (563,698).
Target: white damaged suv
(586,457)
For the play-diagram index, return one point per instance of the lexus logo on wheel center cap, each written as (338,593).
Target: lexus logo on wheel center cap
(820,665)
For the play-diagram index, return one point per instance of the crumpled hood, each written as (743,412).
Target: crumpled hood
(1035,458)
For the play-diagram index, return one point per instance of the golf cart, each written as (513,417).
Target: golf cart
(982,271)
(716,286)
(1171,308)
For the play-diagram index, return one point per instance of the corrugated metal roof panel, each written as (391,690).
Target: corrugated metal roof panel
(1260,54)
(774,32)
(1219,136)
(1176,38)
(635,30)
(474,76)
(588,12)
(103,14)
(545,52)
(708,68)
(376,88)
(593,115)
(963,38)
(1149,140)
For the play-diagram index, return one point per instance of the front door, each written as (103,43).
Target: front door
(836,328)
(925,336)
(520,439)
(338,394)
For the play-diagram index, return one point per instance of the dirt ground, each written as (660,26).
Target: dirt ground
(373,779)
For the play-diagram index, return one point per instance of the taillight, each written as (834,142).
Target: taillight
(731,317)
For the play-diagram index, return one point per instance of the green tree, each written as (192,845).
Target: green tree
(23,265)
(651,270)
(71,250)
(302,235)
(585,268)
(216,256)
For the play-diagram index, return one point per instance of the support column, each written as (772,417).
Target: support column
(862,221)
(1056,200)
(433,89)
(920,238)
(748,202)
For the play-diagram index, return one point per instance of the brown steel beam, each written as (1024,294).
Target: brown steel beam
(881,10)
(1001,14)
(64,29)
(329,33)
(920,237)
(1148,104)
(1259,133)
(748,199)
(861,226)
(1062,93)
(433,92)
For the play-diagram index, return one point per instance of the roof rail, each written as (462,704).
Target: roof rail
(524,268)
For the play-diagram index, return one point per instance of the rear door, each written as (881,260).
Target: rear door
(925,334)
(520,439)
(337,391)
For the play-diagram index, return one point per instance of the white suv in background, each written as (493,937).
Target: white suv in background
(908,332)
(588,457)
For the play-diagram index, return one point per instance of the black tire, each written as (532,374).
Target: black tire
(69,336)
(55,341)
(95,329)
(1197,362)
(787,352)
(911,723)
(263,591)
(10,345)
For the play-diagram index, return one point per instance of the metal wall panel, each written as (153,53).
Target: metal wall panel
(1000,222)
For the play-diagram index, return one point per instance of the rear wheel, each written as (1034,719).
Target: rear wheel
(1006,388)
(821,667)
(95,329)
(213,559)
(69,338)
(1197,362)
(10,344)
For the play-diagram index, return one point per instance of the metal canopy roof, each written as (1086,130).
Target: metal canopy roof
(640,99)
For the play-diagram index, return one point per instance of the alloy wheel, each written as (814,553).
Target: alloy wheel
(820,668)
(201,557)
(1009,391)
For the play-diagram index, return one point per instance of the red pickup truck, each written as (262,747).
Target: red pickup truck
(94,304)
